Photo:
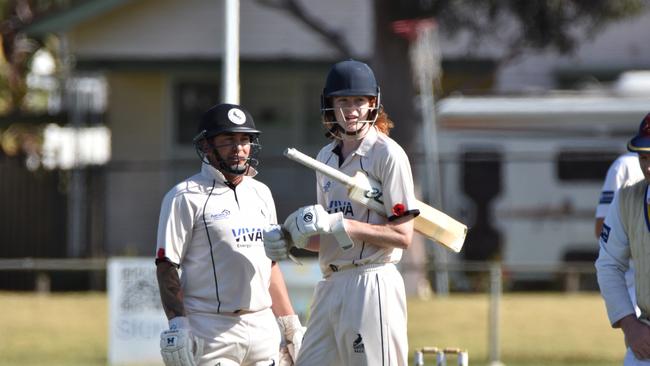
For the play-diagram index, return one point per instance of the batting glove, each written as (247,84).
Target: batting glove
(292,332)
(308,221)
(178,346)
(276,245)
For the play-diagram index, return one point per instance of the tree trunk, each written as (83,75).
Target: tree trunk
(393,70)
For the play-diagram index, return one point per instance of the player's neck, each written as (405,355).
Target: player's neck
(233,179)
(348,147)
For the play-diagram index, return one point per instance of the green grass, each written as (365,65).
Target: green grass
(68,329)
(536,329)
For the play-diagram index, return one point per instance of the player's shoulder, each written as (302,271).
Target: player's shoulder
(633,187)
(192,185)
(627,160)
(388,148)
(326,151)
(258,185)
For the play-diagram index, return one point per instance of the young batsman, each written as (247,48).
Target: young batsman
(358,248)
(220,292)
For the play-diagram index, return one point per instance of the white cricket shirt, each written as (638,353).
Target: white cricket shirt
(625,170)
(383,160)
(613,261)
(215,233)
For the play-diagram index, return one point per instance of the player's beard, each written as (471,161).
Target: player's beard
(231,165)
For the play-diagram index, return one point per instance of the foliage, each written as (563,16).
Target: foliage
(518,25)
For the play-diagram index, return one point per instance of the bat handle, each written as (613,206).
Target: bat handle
(316,165)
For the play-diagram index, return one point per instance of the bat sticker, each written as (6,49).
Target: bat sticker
(398,209)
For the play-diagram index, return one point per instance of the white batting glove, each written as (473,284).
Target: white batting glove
(276,245)
(308,221)
(178,346)
(284,358)
(292,332)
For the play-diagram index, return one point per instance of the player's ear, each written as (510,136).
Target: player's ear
(205,146)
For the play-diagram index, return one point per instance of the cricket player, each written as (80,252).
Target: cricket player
(624,171)
(625,236)
(219,290)
(358,248)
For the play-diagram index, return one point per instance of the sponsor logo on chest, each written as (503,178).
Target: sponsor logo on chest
(341,206)
(247,235)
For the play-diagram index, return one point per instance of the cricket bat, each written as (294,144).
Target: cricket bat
(432,223)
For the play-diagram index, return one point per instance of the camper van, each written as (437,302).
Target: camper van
(525,172)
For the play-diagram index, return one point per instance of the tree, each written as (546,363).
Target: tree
(516,25)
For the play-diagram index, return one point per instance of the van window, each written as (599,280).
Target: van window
(583,165)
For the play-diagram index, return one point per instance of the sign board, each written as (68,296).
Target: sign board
(135,314)
(136,317)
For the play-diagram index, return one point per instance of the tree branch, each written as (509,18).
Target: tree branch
(293,7)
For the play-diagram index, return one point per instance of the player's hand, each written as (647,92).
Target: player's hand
(276,244)
(178,346)
(292,332)
(312,220)
(284,359)
(637,336)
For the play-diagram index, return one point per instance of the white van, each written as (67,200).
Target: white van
(525,172)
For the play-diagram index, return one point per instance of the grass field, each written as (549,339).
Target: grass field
(536,329)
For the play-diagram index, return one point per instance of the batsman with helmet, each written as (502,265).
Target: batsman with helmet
(219,290)
(625,236)
(358,248)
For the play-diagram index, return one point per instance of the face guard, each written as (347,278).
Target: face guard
(346,79)
(209,154)
(342,129)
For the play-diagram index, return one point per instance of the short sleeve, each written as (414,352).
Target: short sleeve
(175,227)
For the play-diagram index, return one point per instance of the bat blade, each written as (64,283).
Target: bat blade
(440,227)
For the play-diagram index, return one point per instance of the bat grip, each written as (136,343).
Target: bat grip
(316,165)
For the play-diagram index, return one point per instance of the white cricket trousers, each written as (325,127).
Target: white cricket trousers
(248,340)
(358,317)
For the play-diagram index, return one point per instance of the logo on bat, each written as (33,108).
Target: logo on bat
(308,217)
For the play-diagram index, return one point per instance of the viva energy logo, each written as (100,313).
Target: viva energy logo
(247,234)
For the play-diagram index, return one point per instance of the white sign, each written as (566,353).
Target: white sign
(70,147)
(135,314)
(136,317)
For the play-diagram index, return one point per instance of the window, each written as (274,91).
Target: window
(584,165)
(191,100)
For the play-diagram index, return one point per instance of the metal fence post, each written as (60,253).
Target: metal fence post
(494,313)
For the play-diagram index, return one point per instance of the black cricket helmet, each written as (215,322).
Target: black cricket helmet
(222,119)
(348,78)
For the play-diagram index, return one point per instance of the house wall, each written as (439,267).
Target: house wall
(136,116)
(194,28)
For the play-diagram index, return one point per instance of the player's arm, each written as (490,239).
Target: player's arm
(614,179)
(611,265)
(393,234)
(279,293)
(598,227)
(169,285)
(289,323)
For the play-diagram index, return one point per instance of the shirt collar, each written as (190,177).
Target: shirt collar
(211,172)
(366,143)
